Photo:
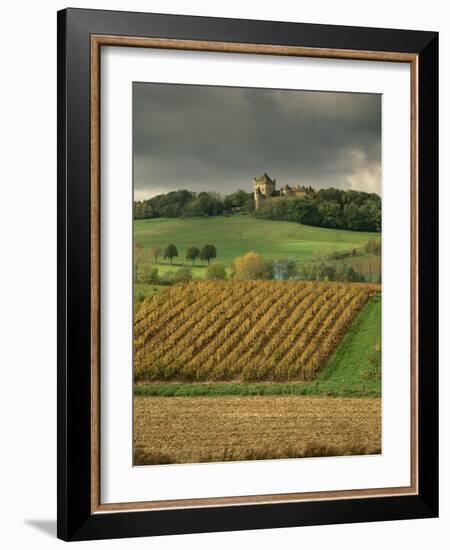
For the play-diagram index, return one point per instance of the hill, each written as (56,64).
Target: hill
(237,234)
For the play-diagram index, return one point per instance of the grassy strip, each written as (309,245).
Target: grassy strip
(248,388)
(352,355)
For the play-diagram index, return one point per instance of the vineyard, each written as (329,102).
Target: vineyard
(243,330)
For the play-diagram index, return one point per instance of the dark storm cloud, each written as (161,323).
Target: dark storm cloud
(218,139)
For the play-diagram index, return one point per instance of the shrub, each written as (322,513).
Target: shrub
(323,271)
(216,270)
(168,278)
(251,266)
(373,247)
(284,269)
(183,275)
(140,297)
(148,275)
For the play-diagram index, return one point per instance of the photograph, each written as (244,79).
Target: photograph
(257,273)
(247,256)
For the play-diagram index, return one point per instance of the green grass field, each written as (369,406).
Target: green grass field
(235,235)
(340,377)
(352,356)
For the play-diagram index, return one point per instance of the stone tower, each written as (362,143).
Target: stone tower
(263,188)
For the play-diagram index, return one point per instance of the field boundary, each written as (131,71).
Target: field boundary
(220,389)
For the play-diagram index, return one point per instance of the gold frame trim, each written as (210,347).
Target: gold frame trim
(97,41)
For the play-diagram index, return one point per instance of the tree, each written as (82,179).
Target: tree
(236,200)
(209,204)
(204,204)
(142,210)
(355,210)
(216,270)
(192,253)
(169,205)
(306,212)
(208,253)
(183,275)
(155,251)
(330,214)
(251,266)
(330,195)
(354,216)
(170,252)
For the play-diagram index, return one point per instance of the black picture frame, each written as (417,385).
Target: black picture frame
(75,518)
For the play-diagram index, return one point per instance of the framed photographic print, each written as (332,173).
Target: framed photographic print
(247,274)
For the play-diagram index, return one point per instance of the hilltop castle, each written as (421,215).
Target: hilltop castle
(264,188)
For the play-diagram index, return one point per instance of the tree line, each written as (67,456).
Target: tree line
(185,203)
(205,254)
(332,208)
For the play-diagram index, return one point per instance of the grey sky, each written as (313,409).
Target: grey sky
(207,138)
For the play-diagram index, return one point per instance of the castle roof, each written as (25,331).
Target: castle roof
(264,179)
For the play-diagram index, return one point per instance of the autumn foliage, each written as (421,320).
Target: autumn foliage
(243,329)
(251,266)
